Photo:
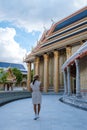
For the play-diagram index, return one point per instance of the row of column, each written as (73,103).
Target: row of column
(46,71)
(67,83)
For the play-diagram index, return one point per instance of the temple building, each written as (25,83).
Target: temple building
(76,68)
(8,66)
(7,79)
(54,48)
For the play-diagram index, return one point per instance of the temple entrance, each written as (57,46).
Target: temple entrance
(73,78)
(74,90)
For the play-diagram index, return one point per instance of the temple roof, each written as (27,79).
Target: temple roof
(13,65)
(81,52)
(71,20)
(62,33)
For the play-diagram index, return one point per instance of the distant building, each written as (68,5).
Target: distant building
(21,67)
(6,65)
(8,79)
(55,47)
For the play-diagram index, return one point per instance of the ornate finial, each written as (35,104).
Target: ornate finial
(52,21)
(44,28)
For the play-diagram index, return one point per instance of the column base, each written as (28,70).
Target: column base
(45,90)
(78,95)
(65,93)
(69,94)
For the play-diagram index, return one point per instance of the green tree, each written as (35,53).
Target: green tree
(32,74)
(3,76)
(18,75)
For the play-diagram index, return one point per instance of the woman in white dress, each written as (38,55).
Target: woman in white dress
(36,95)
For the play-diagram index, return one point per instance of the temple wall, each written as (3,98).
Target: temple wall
(75,48)
(62,59)
(51,70)
(83,75)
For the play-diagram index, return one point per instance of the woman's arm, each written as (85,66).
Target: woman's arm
(31,87)
(41,88)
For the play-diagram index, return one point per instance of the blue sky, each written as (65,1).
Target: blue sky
(22,23)
(23,37)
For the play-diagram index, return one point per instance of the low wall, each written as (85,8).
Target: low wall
(6,97)
(76,102)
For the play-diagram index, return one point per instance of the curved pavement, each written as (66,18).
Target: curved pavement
(54,115)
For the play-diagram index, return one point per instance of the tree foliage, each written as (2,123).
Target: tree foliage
(32,74)
(3,76)
(18,75)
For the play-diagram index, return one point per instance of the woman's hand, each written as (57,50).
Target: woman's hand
(41,88)
(30,89)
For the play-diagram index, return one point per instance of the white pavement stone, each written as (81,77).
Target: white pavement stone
(54,115)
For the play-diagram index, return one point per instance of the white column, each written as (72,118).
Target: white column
(46,72)
(68,81)
(78,93)
(37,60)
(28,76)
(56,71)
(65,81)
(68,52)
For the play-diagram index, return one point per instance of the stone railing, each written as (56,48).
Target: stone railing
(74,101)
(6,97)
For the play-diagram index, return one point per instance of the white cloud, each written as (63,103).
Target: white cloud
(34,14)
(80,3)
(9,49)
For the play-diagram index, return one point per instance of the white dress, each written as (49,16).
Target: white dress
(36,94)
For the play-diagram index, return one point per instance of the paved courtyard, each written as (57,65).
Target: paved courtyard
(54,115)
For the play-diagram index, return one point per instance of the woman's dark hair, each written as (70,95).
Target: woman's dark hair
(34,81)
(35,78)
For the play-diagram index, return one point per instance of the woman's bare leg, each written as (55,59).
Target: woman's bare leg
(35,109)
(39,108)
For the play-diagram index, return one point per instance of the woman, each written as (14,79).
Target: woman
(36,95)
